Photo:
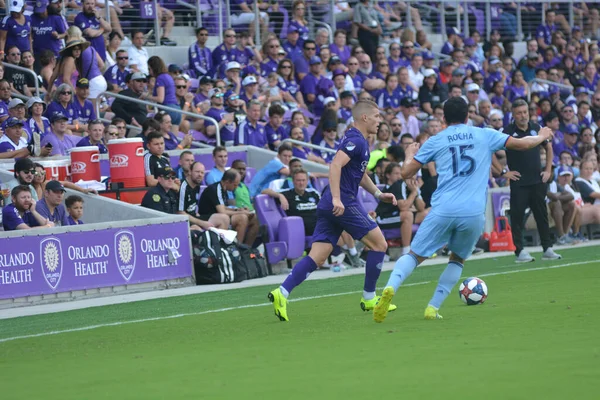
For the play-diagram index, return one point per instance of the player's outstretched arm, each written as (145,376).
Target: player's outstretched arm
(370,187)
(410,166)
(529,142)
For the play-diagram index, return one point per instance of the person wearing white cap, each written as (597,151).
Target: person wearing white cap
(16,28)
(16,108)
(430,94)
(473,93)
(249,89)
(232,75)
(224,119)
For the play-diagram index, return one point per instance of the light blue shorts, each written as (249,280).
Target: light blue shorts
(460,233)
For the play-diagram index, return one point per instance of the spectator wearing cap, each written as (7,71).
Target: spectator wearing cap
(329,141)
(37,123)
(471,53)
(339,47)
(562,205)
(569,142)
(544,31)
(62,103)
(200,59)
(407,117)
(472,90)
(15,29)
(249,89)
(94,26)
(20,212)
(225,119)
(529,68)
(50,207)
(84,109)
(117,73)
(48,27)
(16,108)
(496,120)
(346,102)
(174,70)
(232,76)
(430,94)
(12,139)
(292,44)
(338,77)
(308,85)
(274,130)
(61,141)
(222,54)
(452,40)
(133,113)
(414,71)
(429,61)
(494,73)
(250,132)
(447,71)
(163,196)
(95,136)
(366,20)
(205,84)
(163,91)
(138,54)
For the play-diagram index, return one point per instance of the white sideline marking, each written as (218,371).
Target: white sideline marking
(118,323)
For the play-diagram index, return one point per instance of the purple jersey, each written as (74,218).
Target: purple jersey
(250,135)
(3,108)
(243,56)
(220,57)
(227,131)
(83,22)
(356,147)
(200,60)
(515,92)
(344,114)
(288,86)
(11,218)
(293,51)
(302,31)
(447,48)
(343,53)
(16,34)
(89,64)
(274,135)
(395,64)
(309,86)
(590,86)
(545,32)
(55,108)
(117,77)
(41,33)
(86,142)
(405,92)
(267,66)
(166,81)
(325,155)
(84,112)
(60,147)
(31,126)
(385,99)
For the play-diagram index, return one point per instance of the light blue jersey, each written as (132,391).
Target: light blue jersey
(463,157)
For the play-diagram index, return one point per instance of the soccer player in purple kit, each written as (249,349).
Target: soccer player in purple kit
(340,211)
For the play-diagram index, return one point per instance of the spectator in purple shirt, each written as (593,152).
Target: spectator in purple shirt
(339,47)
(74,206)
(50,207)
(200,59)
(15,29)
(163,91)
(249,89)
(95,136)
(62,103)
(590,77)
(48,27)
(84,109)
(94,26)
(250,132)
(225,119)
(550,60)
(308,85)
(292,45)
(453,40)
(345,111)
(167,129)
(329,141)
(222,54)
(494,73)
(299,151)
(299,21)
(569,143)
(59,139)
(269,64)
(545,31)
(303,63)
(117,73)
(21,213)
(243,52)
(12,139)
(37,123)
(394,59)
(274,130)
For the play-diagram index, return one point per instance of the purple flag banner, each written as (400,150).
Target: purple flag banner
(500,203)
(35,265)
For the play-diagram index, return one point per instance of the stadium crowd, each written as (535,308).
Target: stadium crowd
(296,86)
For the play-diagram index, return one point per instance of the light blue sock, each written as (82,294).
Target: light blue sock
(402,270)
(448,279)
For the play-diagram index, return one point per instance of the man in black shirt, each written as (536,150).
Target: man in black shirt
(155,158)
(162,197)
(215,199)
(302,201)
(189,193)
(133,113)
(530,189)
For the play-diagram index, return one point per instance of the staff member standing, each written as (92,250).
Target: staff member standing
(530,189)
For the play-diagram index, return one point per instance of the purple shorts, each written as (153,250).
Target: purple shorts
(355,221)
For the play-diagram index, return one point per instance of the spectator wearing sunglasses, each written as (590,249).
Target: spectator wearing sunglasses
(117,73)
(59,139)
(132,113)
(24,174)
(225,119)
(163,196)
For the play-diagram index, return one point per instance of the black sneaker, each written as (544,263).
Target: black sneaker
(165,41)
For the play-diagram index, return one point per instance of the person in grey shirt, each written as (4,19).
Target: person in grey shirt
(51,207)
(369,29)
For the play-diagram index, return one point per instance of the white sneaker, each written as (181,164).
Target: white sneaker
(549,254)
(525,257)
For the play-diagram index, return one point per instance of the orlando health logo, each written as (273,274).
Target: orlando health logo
(51,261)
(125,253)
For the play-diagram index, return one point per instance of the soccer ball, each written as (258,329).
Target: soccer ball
(473,291)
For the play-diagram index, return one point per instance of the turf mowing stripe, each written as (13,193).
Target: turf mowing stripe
(118,323)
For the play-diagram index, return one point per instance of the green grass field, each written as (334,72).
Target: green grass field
(536,337)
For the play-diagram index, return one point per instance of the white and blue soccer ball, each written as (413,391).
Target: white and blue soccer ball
(473,291)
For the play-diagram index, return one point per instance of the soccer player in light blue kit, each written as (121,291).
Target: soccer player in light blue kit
(463,157)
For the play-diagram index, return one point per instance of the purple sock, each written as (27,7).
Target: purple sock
(373,269)
(300,272)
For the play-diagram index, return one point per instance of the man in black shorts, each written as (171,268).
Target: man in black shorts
(188,200)
(215,199)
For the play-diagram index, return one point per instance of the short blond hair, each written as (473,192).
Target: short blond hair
(362,107)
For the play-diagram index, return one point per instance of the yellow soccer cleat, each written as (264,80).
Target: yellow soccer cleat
(432,313)
(384,304)
(279,304)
